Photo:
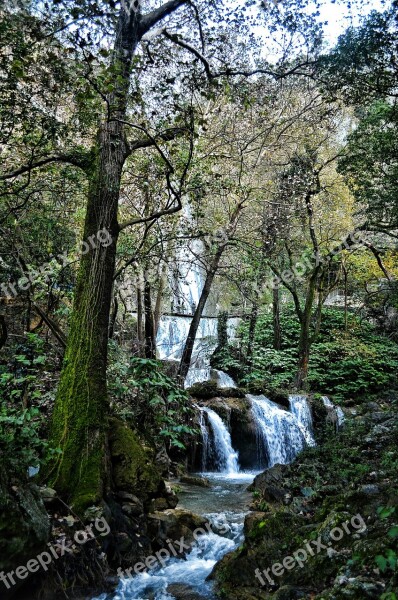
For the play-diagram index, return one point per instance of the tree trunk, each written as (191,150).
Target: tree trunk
(345,298)
(3,331)
(305,341)
(318,316)
(252,332)
(159,297)
(150,341)
(193,329)
(276,318)
(113,317)
(140,318)
(79,424)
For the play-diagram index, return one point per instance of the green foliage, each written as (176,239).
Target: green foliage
(370,164)
(389,559)
(151,400)
(21,445)
(362,67)
(345,364)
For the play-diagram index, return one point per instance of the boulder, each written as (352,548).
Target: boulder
(133,466)
(24,525)
(208,389)
(271,484)
(199,481)
(175,524)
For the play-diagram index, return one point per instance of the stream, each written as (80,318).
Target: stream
(281,435)
(229,502)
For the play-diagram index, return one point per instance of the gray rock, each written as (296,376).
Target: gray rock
(370,489)
(191,480)
(270,484)
(132,509)
(48,495)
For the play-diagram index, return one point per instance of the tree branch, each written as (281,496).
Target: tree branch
(72,160)
(153,216)
(151,19)
(230,72)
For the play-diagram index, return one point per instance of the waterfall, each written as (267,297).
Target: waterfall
(217,447)
(223,380)
(279,432)
(205,438)
(301,410)
(339,413)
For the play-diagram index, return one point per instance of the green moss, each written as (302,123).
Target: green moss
(133,469)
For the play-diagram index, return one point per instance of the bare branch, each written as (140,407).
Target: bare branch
(151,19)
(176,39)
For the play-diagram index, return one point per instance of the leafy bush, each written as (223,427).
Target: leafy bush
(151,400)
(21,446)
(345,364)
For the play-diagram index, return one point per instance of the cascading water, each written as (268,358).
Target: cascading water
(187,284)
(218,453)
(279,432)
(223,380)
(301,410)
(339,413)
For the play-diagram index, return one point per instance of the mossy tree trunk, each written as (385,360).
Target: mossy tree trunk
(305,332)
(79,424)
(150,338)
(276,319)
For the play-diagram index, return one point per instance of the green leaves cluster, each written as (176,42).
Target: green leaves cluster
(152,401)
(345,364)
(21,444)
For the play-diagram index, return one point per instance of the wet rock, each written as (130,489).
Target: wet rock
(181,591)
(158,504)
(199,481)
(208,389)
(163,462)
(174,524)
(126,496)
(132,509)
(252,520)
(270,484)
(48,495)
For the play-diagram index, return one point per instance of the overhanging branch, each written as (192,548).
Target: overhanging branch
(62,158)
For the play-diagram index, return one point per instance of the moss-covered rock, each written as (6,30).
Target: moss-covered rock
(133,468)
(175,524)
(208,389)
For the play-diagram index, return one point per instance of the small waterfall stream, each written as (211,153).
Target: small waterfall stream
(339,413)
(218,446)
(279,432)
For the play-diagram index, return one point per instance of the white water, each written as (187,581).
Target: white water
(279,431)
(218,446)
(302,411)
(229,500)
(199,564)
(223,380)
(339,413)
